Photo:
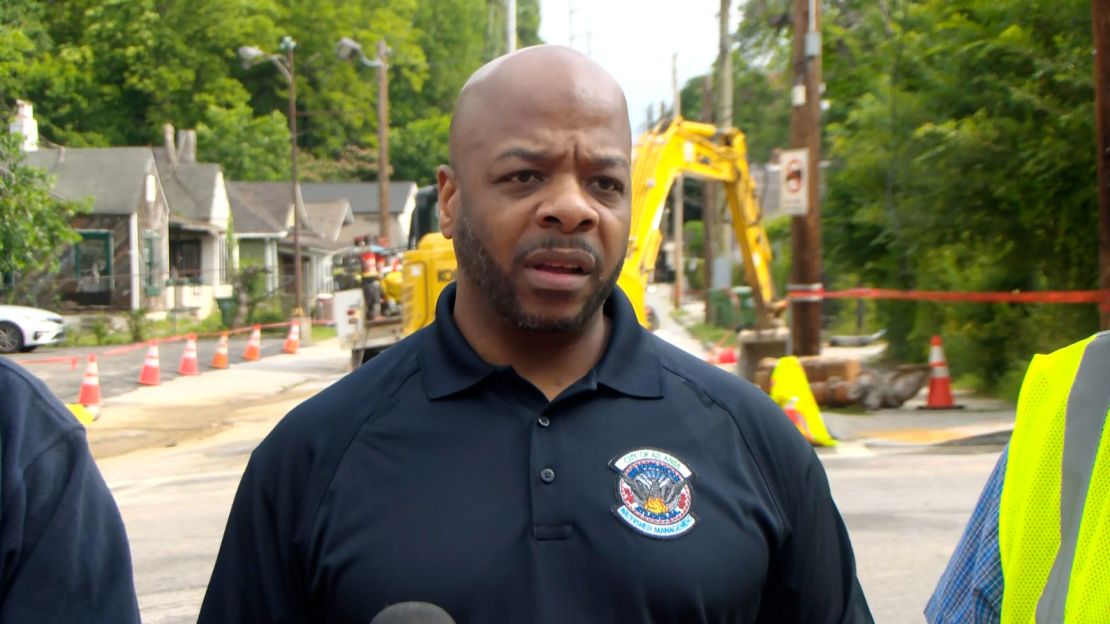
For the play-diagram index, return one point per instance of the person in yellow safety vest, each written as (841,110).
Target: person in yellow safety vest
(1037,548)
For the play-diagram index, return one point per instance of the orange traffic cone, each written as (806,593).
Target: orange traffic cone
(150,374)
(727,355)
(90,387)
(254,346)
(940,383)
(220,359)
(293,340)
(188,364)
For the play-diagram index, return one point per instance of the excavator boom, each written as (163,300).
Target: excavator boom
(682,147)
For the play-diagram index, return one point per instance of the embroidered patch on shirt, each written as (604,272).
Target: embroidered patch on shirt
(654,491)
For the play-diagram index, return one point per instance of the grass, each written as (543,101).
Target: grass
(711,334)
(322,332)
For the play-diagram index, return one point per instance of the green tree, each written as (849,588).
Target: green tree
(36,224)
(248,147)
(420,147)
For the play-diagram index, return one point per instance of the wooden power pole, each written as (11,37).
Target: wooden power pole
(1100,23)
(805,132)
(677,215)
(384,220)
(723,119)
(709,204)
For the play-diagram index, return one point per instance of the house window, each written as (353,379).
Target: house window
(92,262)
(185,260)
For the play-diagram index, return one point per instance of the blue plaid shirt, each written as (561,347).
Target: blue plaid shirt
(970,591)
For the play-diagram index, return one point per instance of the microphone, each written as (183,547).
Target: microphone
(412,613)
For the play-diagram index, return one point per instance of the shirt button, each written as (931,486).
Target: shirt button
(544,421)
(547,475)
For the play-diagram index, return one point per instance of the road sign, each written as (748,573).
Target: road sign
(794,181)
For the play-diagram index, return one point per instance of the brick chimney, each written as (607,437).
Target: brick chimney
(25,124)
(167,140)
(187,146)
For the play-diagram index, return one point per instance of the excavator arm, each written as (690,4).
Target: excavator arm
(681,147)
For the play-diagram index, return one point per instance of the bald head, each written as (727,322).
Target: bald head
(538,82)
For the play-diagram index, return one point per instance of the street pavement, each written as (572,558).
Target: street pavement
(905,480)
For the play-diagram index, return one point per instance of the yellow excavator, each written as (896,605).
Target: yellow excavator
(674,147)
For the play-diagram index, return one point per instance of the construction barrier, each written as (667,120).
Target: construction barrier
(90,387)
(1101,297)
(293,340)
(150,375)
(790,389)
(189,365)
(220,359)
(940,381)
(253,350)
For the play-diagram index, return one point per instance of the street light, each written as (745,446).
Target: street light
(251,55)
(348,49)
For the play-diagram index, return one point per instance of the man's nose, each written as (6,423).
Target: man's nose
(568,209)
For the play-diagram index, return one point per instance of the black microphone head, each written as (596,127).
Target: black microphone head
(412,613)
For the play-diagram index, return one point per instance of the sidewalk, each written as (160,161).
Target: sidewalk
(192,407)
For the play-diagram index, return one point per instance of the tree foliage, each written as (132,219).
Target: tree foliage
(36,224)
(959,136)
(111,72)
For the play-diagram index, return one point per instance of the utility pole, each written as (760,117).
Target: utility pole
(805,131)
(510,25)
(709,204)
(678,214)
(725,237)
(298,304)
(383,145)
(1100,24)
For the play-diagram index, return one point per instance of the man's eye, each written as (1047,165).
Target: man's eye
(609,185)
(522,177)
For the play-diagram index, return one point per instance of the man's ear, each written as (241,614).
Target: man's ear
(448,184)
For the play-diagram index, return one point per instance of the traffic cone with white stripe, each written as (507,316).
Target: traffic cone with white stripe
(188,364)
(254,346)
(90,387)
(293,340)
(940,382)
(151,373)
(220,359)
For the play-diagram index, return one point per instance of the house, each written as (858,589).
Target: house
(200,260)
(264,227)
(363,197)
(122,260)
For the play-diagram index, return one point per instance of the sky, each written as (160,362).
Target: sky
(635,41)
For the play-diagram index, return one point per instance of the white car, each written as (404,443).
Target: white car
(25,329)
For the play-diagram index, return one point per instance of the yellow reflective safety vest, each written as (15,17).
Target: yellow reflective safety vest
(1054,518)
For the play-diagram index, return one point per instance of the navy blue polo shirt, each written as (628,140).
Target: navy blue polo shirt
(655,489)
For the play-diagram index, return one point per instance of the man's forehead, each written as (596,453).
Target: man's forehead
(536,90)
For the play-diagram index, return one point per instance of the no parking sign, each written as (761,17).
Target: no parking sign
(794,182)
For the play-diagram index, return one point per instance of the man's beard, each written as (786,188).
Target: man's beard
(498,288)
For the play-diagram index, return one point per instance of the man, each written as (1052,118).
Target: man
(535,456)
(63,550)
(1036,547)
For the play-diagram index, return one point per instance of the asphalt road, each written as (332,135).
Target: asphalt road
(905,508)
(119,373)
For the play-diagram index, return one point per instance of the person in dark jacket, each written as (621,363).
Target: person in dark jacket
(63,549)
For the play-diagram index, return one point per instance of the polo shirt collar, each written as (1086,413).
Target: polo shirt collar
(630,364)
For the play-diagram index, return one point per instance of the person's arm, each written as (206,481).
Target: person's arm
(970,590)
(258,574)
(63,549)
(813,574)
